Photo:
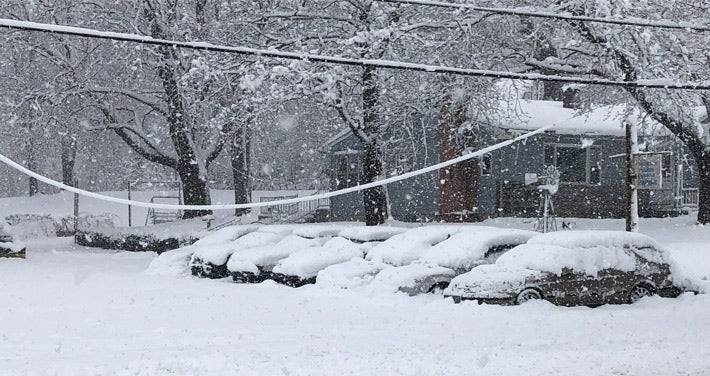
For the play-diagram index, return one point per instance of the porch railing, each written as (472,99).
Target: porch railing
(690,198)
(291,213)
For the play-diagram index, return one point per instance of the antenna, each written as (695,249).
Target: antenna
(548,183)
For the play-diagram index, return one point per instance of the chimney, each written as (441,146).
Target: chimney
(569,96)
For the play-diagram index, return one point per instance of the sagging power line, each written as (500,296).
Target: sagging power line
(339,192)
(539,13)
(376,63)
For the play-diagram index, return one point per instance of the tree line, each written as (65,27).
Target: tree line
(207,116)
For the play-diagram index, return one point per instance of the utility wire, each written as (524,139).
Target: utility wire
(538,13)
(376,63)
(340,192)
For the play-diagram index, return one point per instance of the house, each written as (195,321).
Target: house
(406,148)
(587,149)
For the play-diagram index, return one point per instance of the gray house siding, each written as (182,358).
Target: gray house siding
(504,193)
(404,149)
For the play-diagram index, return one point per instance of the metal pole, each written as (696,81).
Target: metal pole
(76,211)
(129,206)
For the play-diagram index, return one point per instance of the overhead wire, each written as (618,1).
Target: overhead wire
(357,188)
(540,13)
(376,63)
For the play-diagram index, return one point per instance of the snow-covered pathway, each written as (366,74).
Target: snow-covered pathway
(70,311)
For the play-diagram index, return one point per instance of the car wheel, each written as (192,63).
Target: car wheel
(639,291)
(438,288)
(527,294)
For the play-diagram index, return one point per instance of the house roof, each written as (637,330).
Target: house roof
(337,137)
(527,115)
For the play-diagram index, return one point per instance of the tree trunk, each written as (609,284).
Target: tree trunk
(68,159)
(703,162)
(241,161)
(188,168)
(375,199)
(32,164)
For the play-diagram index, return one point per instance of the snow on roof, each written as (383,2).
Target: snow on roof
(308,262)
(465,249)
(338,137)
(527,115)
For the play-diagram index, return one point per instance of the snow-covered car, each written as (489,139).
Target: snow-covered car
(463,248)
(254,265)
(8,247)
(572,268)
(353,243)
(211,253)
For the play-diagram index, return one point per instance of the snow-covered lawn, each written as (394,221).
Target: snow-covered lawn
(68,310)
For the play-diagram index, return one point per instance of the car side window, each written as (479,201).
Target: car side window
(567,271)
(496,251)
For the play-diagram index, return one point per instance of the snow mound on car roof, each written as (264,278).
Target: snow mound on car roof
(269,254)
(583,251)
(226,235)
(552,258)
(371,233)
(320,230)
(308,262)
(587,239)
(402,249)
(467,247)
(350,274)
(218,253)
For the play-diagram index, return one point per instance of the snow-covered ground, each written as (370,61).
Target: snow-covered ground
(68,310)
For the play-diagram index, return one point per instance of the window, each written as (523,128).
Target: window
(575,164)
(347,170)
(486,164)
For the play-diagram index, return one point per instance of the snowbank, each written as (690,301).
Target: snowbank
(172,263)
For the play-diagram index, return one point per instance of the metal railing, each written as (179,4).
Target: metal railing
(291,213)
(690,197)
